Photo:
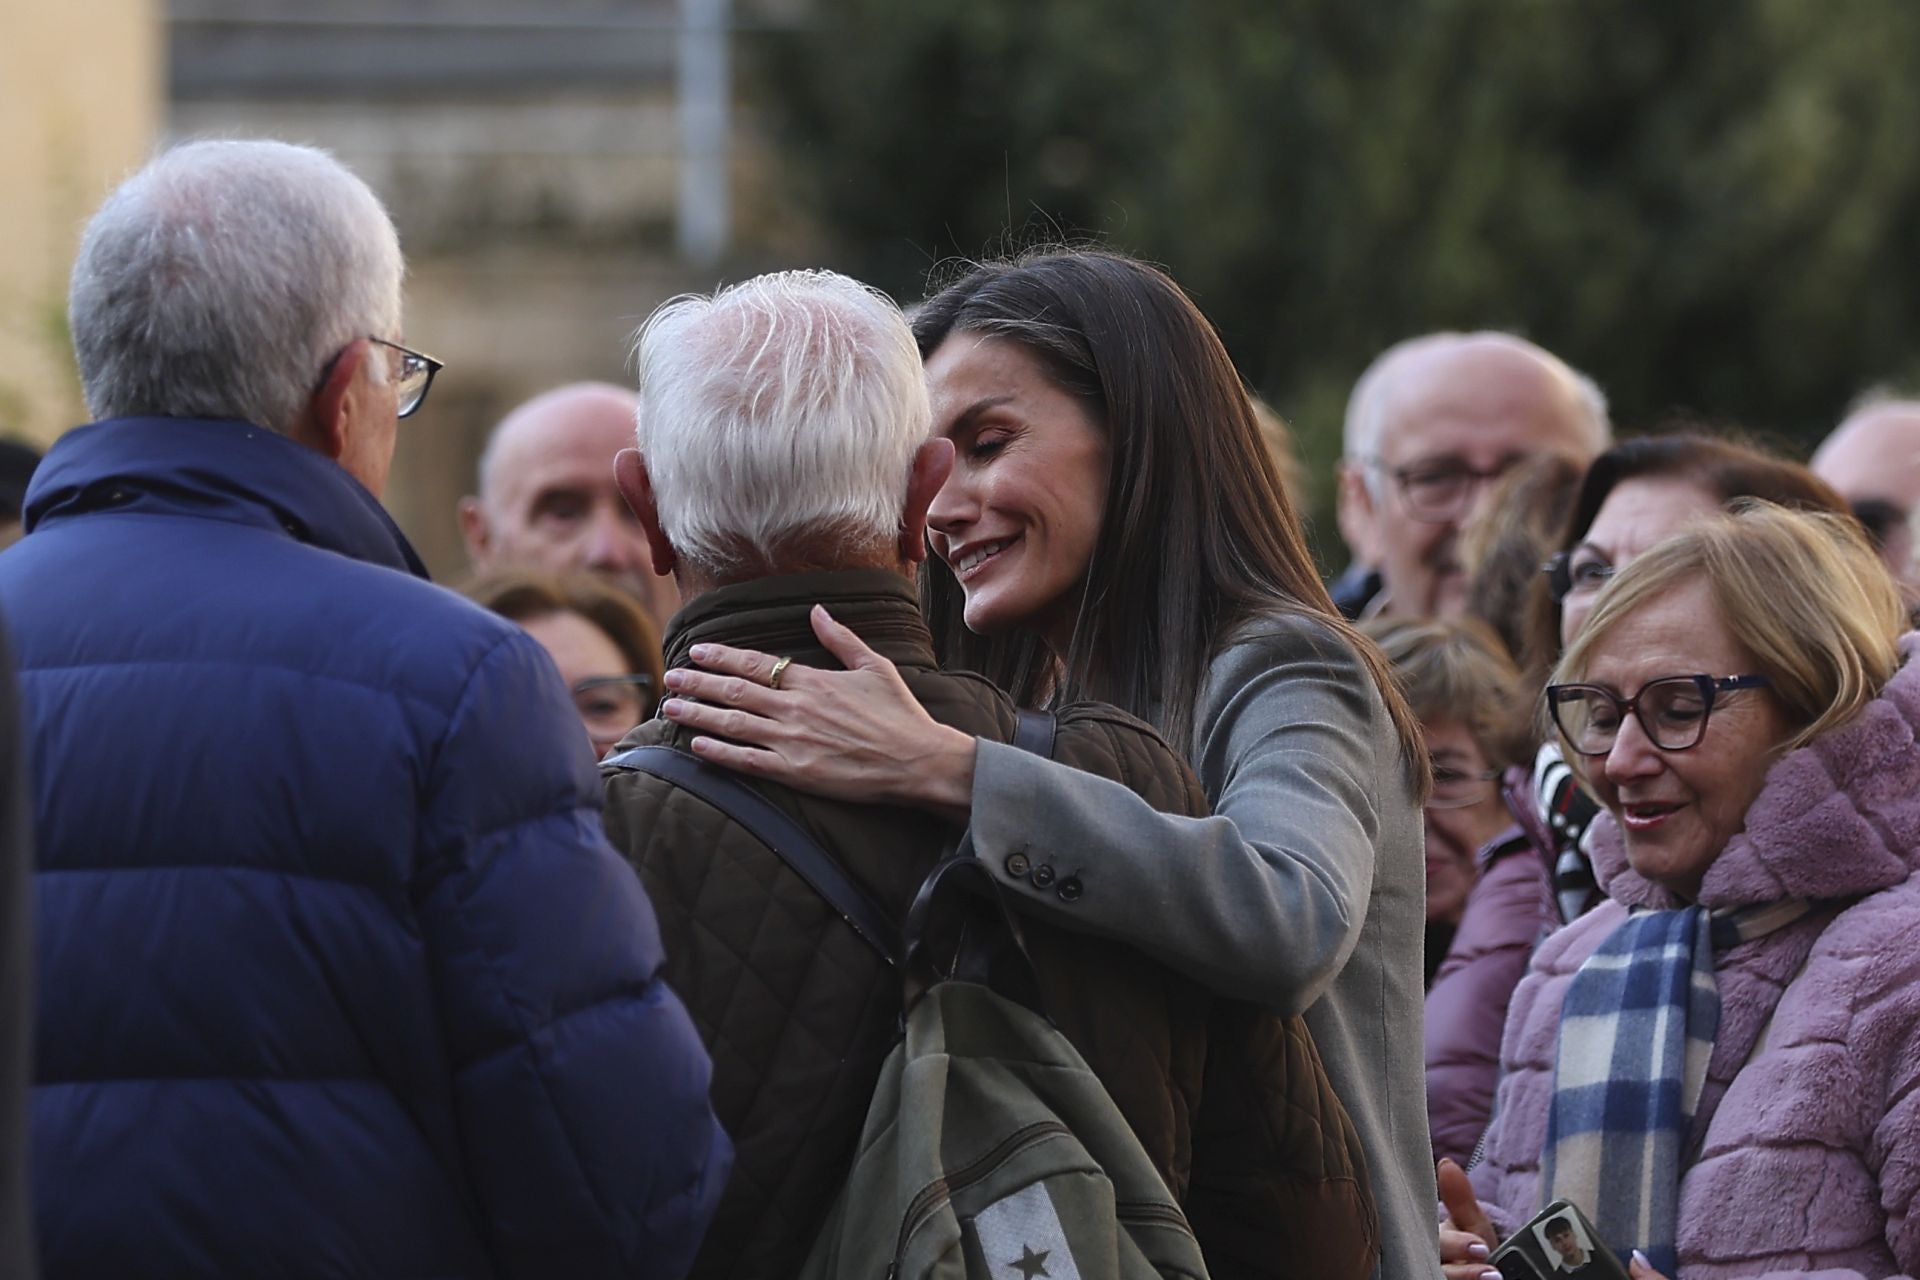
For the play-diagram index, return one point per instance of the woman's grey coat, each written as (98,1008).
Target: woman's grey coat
(1305,892)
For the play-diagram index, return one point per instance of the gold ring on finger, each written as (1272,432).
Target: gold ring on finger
(779,669)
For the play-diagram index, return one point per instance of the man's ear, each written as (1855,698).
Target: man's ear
(474,530)
(327,424)
(636,486)
(1353,509)
(932,464)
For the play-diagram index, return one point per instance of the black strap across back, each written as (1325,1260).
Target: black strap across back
(792,843)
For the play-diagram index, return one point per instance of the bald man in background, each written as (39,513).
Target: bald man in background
(1429,424)
(547,499)
(1873,459)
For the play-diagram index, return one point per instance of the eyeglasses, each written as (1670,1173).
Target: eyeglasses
(1567,577)
(611,705)
(1438,492)
(413,379)
(1672,710)
(1458,789)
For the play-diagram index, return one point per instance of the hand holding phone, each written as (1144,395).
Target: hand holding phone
(1467,1236)
(1558,1243)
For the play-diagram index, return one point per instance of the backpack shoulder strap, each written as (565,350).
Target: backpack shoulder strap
(1034,730)
(959,925)
(790,841)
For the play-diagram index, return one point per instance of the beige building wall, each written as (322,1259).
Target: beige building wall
(536,206)
(80,103)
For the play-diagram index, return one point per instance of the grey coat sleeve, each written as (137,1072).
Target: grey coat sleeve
(1264,901)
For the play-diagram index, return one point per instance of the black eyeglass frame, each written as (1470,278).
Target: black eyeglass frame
(413,364)
(1710,688)
(641,681)
(1402,477)
(1479,778)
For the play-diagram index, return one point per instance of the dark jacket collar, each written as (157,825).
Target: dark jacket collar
(770,614)
(232,471)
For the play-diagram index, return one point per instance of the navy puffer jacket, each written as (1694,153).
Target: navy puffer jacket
(337,975)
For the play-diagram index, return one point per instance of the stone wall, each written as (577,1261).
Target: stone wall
(80,100)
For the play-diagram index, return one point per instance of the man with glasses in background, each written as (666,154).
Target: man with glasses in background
(336,973)
(1429,425)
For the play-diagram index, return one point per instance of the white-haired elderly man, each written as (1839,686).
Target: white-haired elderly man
(337,974)
(1429,424)
(783,464)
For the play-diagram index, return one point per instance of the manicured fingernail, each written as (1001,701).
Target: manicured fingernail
(702,652)
(1642,1259)
(1478,1251)
(1491,1274)
(676,678)
(672,707)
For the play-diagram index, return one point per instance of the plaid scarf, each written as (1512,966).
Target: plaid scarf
(1636,1034)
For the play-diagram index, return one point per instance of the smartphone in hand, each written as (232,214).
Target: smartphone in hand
(1558,1243)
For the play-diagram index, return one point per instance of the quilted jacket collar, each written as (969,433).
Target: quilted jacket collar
(214,470)
(1838,818)
(770,614)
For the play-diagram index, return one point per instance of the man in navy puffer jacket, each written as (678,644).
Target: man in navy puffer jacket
(337,975)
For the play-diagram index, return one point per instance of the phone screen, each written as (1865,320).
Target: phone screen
(1558,1243)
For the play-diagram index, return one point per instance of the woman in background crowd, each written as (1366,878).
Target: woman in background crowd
(1634,495)
(602,641)
(1719,1063)
(1512,533)
(1488,898)
(1114,529)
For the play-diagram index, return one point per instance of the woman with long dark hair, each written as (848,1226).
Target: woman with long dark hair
(1113,529)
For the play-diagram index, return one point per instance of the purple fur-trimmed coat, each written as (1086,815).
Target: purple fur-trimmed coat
(1809,1146)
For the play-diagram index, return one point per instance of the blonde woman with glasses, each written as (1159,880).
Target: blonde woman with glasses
(1720,1064)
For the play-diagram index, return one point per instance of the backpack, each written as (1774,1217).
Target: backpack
(990,1148)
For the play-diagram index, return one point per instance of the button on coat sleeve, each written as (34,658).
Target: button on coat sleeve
(579,1081)
(1264,901)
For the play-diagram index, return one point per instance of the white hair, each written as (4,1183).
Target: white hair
(219,281)
(1881,396)
(784,408)
(1366,407)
